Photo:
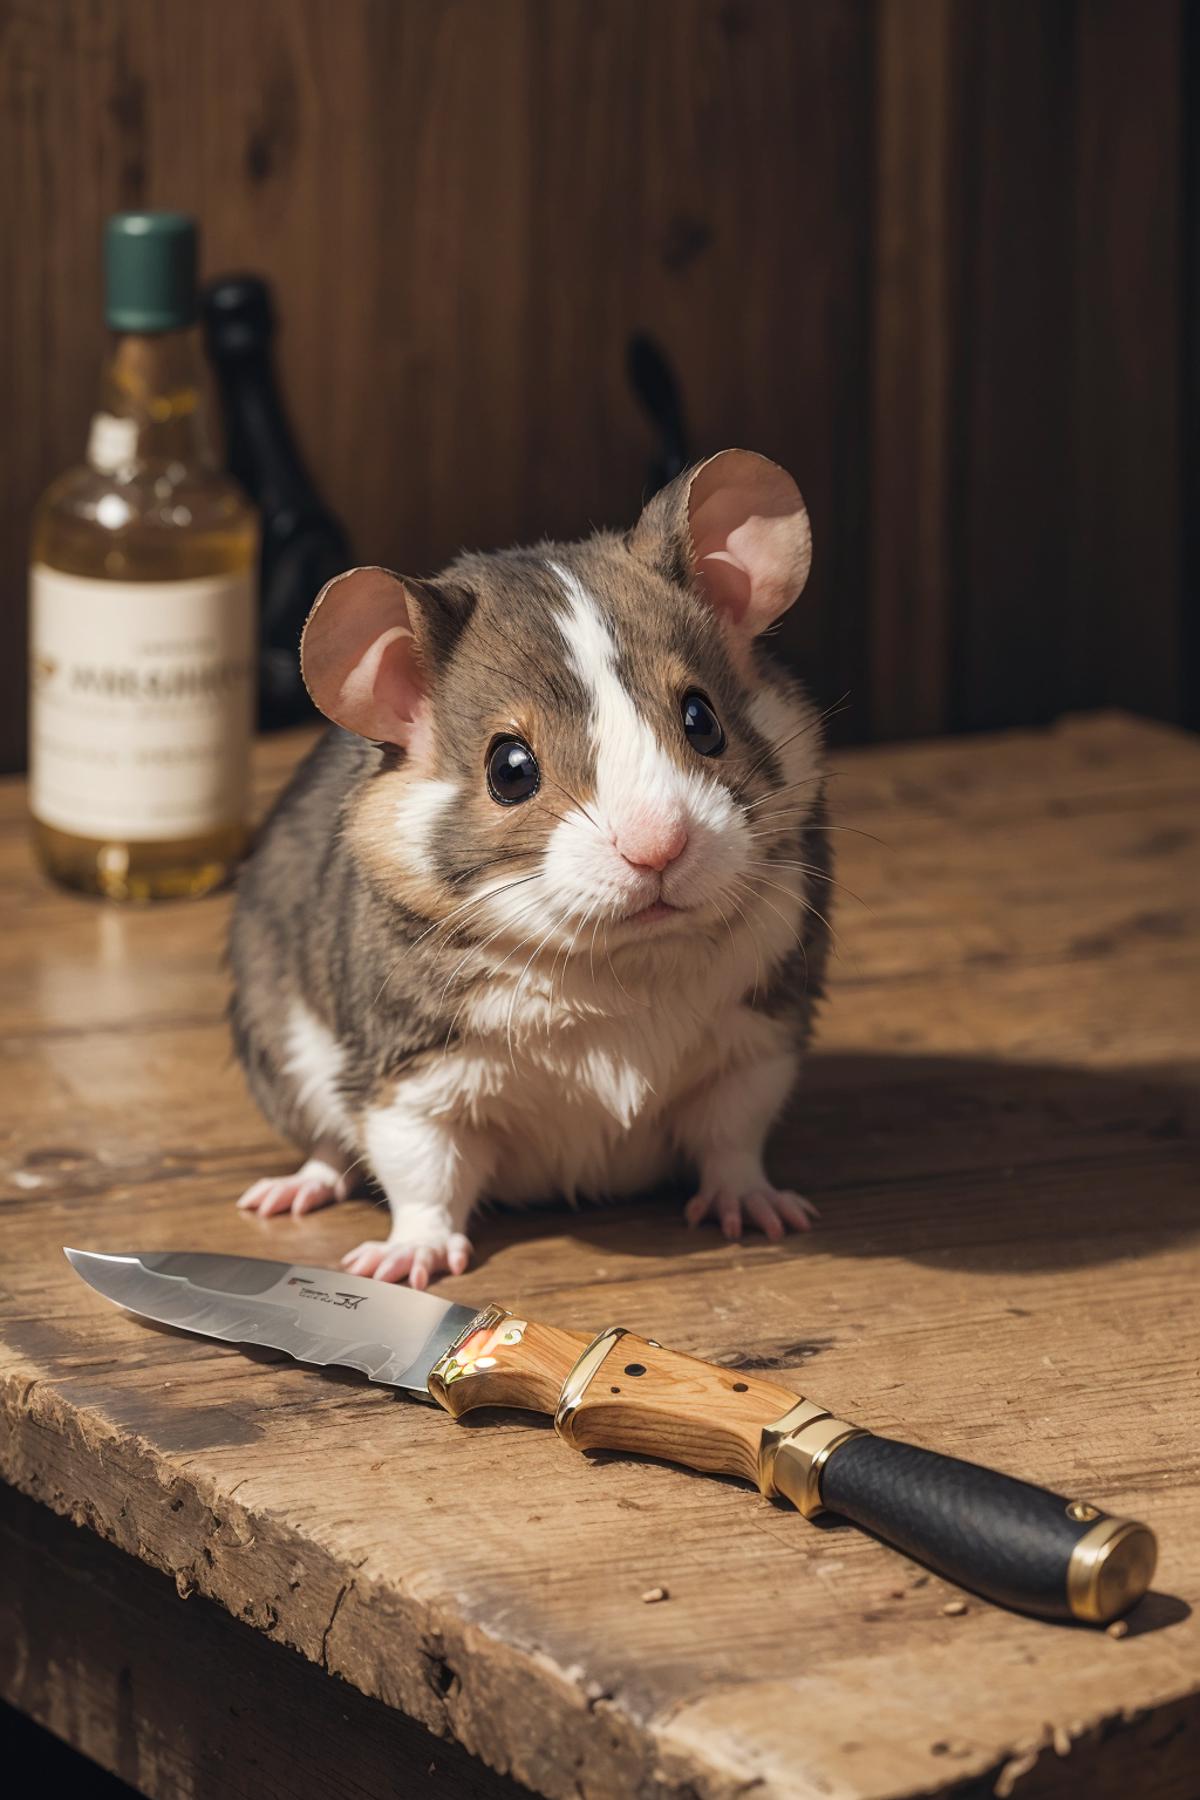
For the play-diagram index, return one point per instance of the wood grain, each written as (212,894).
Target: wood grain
(175,1697)
(465,210)
(928,257)
(913,337)
(650,1400)
(999,1126)
(1066,412)
(527,1373)
(640,1397)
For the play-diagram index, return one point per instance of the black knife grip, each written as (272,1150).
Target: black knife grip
(1015,1543)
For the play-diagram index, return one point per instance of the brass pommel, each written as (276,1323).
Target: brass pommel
(794,1451)
(1110,1569)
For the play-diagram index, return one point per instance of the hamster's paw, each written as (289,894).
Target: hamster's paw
(773,1211)
(316,1184)
(416,1263)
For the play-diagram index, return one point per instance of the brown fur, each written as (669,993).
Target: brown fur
(327,914)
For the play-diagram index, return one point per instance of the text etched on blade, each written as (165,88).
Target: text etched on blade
(337,1298)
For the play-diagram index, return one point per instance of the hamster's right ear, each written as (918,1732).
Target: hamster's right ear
(358,656)
(735,529)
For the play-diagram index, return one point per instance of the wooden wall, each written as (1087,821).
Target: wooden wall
(927,253)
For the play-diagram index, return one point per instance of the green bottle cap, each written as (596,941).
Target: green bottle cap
(149,271)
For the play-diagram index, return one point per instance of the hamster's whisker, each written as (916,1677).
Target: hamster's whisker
(452,931)
(547,677)
(805,726)
(781,744)
(520,983)
(478,949)
(551,689)
(574,799)
(488,862)
(517,947)
(506,678)
(806,904)
(822,875)
(753,939)
(856,829)
(350,1168)
(445,925)
(787,813)
(463,906)
(749,806)
(563,818)
(733,940)
(800,944)
(566,959)
(612,971)
(592,946)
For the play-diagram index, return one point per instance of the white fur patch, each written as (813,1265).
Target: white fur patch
(429,1162)
(590,649)
(638,788)
(595,1107)
(314,1061)
(423,804)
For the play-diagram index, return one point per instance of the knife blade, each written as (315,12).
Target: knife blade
(309,1314)
(1020,1545)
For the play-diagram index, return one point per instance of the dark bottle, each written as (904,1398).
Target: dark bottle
(654,382)
(303,544)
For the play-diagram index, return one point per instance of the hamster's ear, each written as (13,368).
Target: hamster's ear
(736,528)
(358,656)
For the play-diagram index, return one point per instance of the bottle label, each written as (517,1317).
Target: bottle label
(112,443)
(141,704)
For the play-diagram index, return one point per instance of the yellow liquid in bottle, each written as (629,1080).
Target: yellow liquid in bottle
(147,508)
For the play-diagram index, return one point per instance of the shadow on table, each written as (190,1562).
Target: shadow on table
(958,1162)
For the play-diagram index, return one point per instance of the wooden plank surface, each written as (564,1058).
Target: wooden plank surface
(926,254)
(1000,1129)
(1065,419)
(465,211)
(178,1699)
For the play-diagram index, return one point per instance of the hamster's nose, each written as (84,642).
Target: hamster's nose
(653,844)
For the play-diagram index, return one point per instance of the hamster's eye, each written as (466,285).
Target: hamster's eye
(702,725)
(512,771)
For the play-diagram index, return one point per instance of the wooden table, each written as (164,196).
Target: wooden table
(997,1129)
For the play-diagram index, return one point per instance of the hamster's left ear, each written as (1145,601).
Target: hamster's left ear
(360,659)
(736,528)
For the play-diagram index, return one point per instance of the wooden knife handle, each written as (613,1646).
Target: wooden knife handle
(614,1392)
(506,1361)
(1013,1542)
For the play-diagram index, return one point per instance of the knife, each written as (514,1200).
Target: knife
(1016,1544)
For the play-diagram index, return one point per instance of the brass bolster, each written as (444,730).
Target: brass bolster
(575,1386)
(794,1450)
(1111,1566)
(447,1368)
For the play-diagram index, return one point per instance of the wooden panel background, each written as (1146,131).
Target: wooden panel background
(928,253)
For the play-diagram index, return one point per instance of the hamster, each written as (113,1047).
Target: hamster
(544,913)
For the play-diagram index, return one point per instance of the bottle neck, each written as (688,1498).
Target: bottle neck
(151,404)
(261,451)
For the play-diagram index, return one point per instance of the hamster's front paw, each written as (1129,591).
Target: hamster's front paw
(773,1211)
(316,1184)
(400,1259)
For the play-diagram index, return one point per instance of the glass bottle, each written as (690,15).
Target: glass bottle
(142,608)
(303,544)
